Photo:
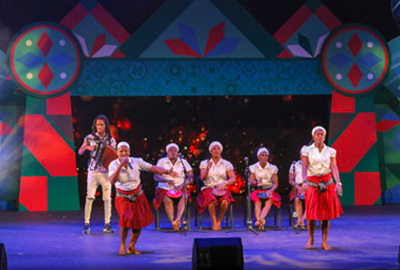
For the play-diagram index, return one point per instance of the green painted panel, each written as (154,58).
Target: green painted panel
(62,193)
(348,188)
(30,165)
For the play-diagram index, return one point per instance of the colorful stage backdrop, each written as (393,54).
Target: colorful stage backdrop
(202,47)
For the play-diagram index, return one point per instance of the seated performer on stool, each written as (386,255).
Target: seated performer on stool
(322,202)
(170,187)
(214,173)
(264,176)
(132,206)
(297,182)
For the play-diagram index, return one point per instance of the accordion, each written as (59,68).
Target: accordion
(104,154)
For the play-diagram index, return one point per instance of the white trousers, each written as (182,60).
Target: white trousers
(95,179)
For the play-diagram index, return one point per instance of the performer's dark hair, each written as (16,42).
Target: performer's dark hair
(105,120)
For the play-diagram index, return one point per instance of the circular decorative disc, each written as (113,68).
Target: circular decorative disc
(44,59)
(355,59)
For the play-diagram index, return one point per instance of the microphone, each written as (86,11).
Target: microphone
(246,159)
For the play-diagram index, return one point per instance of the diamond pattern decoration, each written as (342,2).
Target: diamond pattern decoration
(61,59)
(44,60)
(45,43)
(370,60)
(340,60)
(355,59)
(30,60)
(355,75)
(46,75)
(355,44)
(216,45)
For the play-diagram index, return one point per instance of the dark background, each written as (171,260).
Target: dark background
(242,124)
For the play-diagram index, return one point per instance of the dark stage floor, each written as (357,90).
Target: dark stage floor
(363,238)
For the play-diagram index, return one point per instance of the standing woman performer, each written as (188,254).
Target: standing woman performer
(264,176)
(216,173)
(132,206)
(322,202)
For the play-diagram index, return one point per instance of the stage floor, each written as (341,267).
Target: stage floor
(364,237)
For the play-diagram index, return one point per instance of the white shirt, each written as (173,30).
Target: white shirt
(264,175)
(128,179)
(297,172)
(177,167)
(319,163)
(218,173)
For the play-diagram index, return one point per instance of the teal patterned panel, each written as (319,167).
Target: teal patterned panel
(200,78)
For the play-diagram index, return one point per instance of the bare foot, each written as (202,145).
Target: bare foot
(122,251)
(309,244)
(257,222)
(325,246)
(215,227)
(134,251)
(261,224)
(177,225)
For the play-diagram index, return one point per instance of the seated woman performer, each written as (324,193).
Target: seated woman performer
(264,177)
(132,206)
(300,186)
(216,173)
(170,187)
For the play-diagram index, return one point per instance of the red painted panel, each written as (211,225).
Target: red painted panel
(33,193)
(5,129)
(110,24)
(48,147)
(327,17)
(179,47)
(285,54)
(367,188)
(59,105)
(342,104)
(293,24)
(385,125)
(355,141)
(74,17)
(215,36)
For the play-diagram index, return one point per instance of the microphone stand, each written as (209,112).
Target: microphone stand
(186,225)
(185,212)
(249,226)
(295,214)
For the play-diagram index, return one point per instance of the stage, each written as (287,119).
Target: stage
(365,237)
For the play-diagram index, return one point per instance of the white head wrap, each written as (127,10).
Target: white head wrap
(123,144)
(171,145)
(262,149)
(316,128)
(214,143)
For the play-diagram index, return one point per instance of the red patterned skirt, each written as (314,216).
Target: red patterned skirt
(133,215)
(324,205)
(276,198)
(206,197)
(159,196)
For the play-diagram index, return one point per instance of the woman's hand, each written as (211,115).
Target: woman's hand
(339,190)
(172,173)
(221,186)
(171,183)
